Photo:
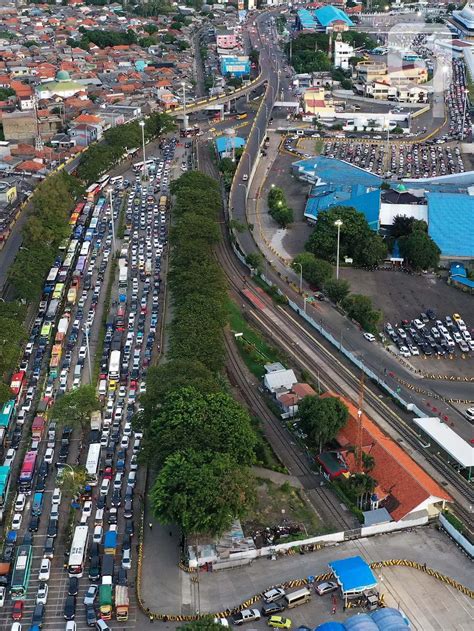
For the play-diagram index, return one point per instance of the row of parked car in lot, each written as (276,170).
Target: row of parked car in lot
(431,335)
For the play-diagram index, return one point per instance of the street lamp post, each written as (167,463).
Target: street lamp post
(86,331)
(145,170)
(338,224)
(111,204)
(301,276)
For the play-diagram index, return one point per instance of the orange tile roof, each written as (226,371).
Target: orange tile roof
(90,119)
(29,165)
(395,471)
(303,390)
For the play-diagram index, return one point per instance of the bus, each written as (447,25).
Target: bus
(92,464)
(4,487)
(73,219)
(114,366)
(72,249)
(92,191)
(27,472)
(78,553)
(117,180)
(6,413)
(21,572)
(51,280)
(138,166)
(80,266)
(17,383)
(93,224)
(58,291)
(46,330)
(103,181)
(85,249)
(89,235)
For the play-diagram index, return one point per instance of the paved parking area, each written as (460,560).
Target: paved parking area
(402,296)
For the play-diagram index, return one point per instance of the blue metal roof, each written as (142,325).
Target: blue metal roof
(353,574)
(457,269)
(367,203)
(462,280)
(334,171)
(225,143)
(450,222)
(306,19)
(378,620)
(328,14)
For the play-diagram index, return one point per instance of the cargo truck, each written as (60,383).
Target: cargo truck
(105,599)
(121,602)
(96,420)
(110,542)
(62,330)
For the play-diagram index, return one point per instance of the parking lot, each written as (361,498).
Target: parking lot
(402,296)
(60,356)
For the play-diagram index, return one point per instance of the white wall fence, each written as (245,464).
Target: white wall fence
(235,559)
(460,539)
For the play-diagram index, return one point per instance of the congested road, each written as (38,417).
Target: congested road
(106,298)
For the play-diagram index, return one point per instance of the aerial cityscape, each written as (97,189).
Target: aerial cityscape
(236,315)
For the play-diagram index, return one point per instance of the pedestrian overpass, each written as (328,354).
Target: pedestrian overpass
(289,104)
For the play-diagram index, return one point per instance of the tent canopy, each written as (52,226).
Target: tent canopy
(353,574)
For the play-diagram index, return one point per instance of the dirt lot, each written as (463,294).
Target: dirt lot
(281,505)
(401,296)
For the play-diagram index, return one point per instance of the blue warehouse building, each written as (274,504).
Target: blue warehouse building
(321,19)
(235,66)
(446,203)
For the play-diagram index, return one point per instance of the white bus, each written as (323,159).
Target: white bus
(92,464)
(118,179)
(138,166)
(85,249)
(78,553)
(114,366)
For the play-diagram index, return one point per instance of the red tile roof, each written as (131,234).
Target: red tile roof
(406,484)
(303,390)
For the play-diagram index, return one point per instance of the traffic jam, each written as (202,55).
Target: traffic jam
(70,549)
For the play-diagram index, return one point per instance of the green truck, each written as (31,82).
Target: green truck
(105,600)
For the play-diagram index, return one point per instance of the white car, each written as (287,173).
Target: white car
(82,352)
(45,570)
(127,560)
(414,350)
(418,324)
(9,458)
(124,442)
(56,499)
(86,512)
(470,414)
(369,337)
(16,521)
(20,502)
(97,536)
(42,594)
(49,455)
(273,594)
(404,352)
(3,593)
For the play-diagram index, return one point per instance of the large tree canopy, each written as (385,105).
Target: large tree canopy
(419,249)
(75,407)
(200,421)
(316,271)
(357,240)
(202,491)
(321,419)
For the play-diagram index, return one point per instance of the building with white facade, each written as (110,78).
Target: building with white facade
(342,53)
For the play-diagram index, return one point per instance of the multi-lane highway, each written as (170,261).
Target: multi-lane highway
(108,282)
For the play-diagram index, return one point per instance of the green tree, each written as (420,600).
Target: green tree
(5,393)
(360,309)
(255,260)
(170,377)
(419,250)
(5,93)
(211,422)
(202,492)
(401,226)
(337,289)
(357,241)
(72,480)
(74,408)
(321,419)
(316,271)
(205,623)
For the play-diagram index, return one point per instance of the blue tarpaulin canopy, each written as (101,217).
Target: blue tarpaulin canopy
(353,574)
(386,619)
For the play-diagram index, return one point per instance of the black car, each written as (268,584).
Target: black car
(112,517)
(38,615)
(16,438)
(94,549)
(431,314)
(34,523)
(63,453)
(70,608)
(121,576)
(116,498)
(94,568)
(127,543)
(73,587)
(271,609)
(101,499)
(40,485)
(43,470)
(52,528)
(91,617)
(48,549)
(129,527)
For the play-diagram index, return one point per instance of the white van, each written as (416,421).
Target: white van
(99,517)
(97,537)
(103,387)
(299,597)
(104,487)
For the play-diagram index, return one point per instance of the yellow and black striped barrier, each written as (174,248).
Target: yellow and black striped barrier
(295,583)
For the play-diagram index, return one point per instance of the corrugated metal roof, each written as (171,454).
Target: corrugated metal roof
(450,223)
(327,15)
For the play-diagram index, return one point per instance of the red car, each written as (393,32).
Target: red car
(17,611)
(108,473)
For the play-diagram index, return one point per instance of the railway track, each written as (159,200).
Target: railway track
(294,458)
(334,372)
